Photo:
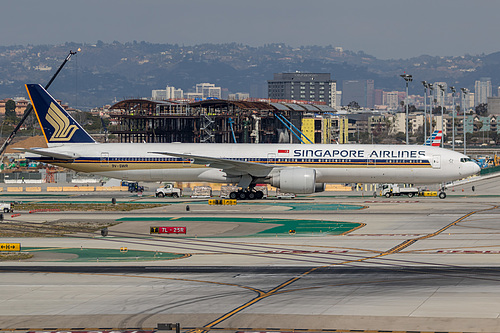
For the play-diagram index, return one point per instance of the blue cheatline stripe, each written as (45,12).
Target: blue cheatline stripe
(278,161)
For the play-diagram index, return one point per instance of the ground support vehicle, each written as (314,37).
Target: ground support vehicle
(202,192)
(168,191)
(283,195)
(389,190)
(6,207)
(135,187)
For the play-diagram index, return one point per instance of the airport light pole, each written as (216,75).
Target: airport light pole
(464,93)
(453,91)
(408,78)
(431,97)
(425,110)
(441,89)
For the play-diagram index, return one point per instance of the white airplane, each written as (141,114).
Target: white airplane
(296,168)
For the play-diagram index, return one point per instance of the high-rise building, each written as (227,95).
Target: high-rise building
(482,91)
(168,93)
(338,98)
(468,99)
(391,99)
(439,96)
(359,91)
(208,90)
(316,87)
(378,97)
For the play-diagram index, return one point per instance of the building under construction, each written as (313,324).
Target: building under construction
(216,121)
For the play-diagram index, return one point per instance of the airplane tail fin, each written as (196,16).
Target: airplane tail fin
(435,139)
(57,125)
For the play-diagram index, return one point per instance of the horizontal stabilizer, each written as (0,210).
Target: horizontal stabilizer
(59,156)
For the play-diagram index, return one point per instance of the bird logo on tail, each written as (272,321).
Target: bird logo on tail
(63,131)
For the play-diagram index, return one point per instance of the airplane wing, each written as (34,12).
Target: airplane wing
(230,166)
(59,156)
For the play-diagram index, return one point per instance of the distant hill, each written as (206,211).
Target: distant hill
(102,72)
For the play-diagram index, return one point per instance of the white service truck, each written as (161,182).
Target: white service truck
(389,190)
(168,191)
(6,207)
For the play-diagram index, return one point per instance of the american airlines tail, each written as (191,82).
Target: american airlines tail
(57,125)
(435,139)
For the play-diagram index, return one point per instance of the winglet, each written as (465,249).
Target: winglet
(57,125)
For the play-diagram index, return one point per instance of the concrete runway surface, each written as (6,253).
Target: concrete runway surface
(420,264)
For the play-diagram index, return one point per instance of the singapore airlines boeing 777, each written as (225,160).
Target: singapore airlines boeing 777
(297,168)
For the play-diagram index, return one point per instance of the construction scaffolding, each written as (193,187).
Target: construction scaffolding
(216,121)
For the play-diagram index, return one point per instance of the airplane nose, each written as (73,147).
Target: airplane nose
(476,168)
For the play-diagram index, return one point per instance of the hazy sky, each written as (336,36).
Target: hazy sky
(383,28)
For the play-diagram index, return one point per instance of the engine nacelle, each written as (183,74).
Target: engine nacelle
(295,180)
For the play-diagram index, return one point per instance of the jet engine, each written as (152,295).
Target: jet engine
(296,180)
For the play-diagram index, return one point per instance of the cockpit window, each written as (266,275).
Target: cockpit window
(465,159)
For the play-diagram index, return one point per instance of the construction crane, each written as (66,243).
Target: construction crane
(30,107)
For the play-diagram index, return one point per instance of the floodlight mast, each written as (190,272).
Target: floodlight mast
(408,78)
(431,95)
(425,110)
(30,107)
(441,88)
(465,91)
(453,91)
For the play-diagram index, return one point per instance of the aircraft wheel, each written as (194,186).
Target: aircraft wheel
(160,195)
(442,195)
(410,195)
(233,195)
(259,195)
(242,195)
(251,195)
(387,195)
(175,195)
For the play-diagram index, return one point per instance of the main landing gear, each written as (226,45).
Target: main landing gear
(246,194)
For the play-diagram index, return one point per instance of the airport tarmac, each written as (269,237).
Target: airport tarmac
(419,264)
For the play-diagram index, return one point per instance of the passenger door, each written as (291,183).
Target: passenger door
(436,161)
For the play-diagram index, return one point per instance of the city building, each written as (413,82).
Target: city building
(314,87)
(338,99)
(21,105)
(316,129)
(440,96)
(168,93)
(378,97)
(339,129)
(238,96)
(359,91)
(208,90)
(482,90)
(391,99)
(468,99)
(494,105)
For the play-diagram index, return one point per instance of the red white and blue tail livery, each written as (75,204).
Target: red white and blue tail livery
(435,139)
